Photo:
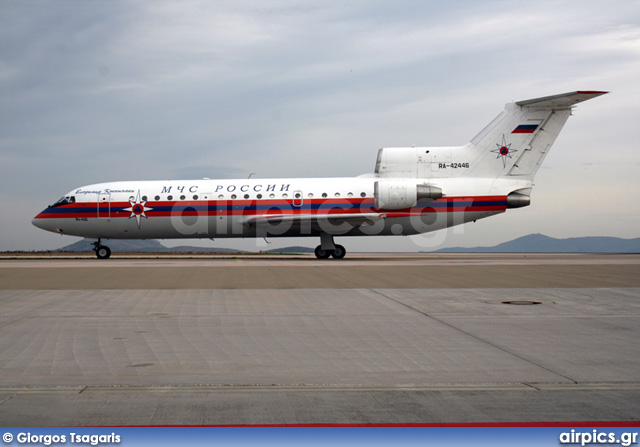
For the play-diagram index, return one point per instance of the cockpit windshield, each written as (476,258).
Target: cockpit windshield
(64,201)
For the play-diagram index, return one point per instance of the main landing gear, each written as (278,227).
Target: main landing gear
(328,248)
(102,251)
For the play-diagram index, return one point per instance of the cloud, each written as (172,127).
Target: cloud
(220,172)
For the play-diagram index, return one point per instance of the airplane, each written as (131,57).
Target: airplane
(412,190)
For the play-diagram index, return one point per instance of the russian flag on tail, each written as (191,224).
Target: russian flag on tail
(525,128)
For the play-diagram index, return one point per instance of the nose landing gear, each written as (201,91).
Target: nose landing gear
(328,248)
(102,251)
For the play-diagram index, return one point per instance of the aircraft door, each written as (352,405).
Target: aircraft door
(104,205)
(297,198)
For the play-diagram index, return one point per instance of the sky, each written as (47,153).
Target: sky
(97,91)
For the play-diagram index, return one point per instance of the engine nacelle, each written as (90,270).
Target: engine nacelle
(518,200)
(397,194)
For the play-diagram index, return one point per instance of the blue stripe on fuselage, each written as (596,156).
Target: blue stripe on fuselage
(153,208)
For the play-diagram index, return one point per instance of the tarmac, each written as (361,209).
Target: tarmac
(370,339)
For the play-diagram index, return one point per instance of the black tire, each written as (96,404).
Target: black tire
(339,252)
(320,253)
(103,252)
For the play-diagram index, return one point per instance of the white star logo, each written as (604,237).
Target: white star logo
(504,150)
(137,209)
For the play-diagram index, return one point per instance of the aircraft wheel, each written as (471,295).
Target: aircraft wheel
(103,252)
(339,252)
(320,253)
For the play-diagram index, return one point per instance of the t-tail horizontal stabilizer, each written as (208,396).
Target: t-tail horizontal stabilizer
(516,142)
(562,100)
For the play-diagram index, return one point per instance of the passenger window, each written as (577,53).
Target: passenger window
(233,196)
(144,198)
(246,196)
(195,197)
(272,196)
(363,195)
(169,197)
(337,194)
(350,194)
(157,197)
(259,196)
(182,197)
(324,194)
(284,196)
(310,195)
(221,197)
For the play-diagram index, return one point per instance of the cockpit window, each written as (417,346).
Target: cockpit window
(64,201)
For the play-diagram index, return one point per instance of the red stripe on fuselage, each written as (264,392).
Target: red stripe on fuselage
(280,207)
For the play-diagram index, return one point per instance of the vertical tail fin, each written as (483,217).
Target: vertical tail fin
(516,142)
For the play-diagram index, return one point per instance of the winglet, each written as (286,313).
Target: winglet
(562,101)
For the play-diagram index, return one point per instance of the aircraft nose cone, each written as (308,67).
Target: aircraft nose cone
(37,223)
(44,223)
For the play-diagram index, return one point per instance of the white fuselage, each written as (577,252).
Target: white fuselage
(225,208)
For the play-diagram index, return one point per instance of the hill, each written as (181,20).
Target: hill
(533,243)
(154,246)
(294,249)
(145,246)
(539,243)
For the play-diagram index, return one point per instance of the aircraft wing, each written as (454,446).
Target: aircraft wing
(318,220)
(561,101)
(354,219)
